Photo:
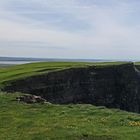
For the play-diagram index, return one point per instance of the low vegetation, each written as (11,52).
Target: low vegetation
(20,121)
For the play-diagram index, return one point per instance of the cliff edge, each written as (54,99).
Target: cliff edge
(113,86)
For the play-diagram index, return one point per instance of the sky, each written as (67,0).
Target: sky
(87,29)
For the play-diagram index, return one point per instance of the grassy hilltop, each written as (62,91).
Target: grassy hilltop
(20,121)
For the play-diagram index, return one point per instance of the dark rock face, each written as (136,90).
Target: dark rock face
(115,86)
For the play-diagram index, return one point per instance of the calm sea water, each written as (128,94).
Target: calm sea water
(15,62)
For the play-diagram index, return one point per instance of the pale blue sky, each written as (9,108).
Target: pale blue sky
(105,29)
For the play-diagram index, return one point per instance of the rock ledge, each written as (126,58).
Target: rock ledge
(30,99)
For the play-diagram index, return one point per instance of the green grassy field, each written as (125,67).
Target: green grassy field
(26,70)
(19,121)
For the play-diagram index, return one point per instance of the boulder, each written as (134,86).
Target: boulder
(30,99)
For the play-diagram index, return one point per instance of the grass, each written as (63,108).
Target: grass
(26,70)
(20,121)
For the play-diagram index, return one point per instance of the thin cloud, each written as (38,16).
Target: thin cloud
(91,29)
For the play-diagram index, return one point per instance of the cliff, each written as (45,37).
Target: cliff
(113,86)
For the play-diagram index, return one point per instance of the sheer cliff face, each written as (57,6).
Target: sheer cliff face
(111,86)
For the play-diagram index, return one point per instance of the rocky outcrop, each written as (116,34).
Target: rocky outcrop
(116,86)
(30,99)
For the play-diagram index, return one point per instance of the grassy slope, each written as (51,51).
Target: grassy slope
(60,122)
(20,121)
(25,70)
